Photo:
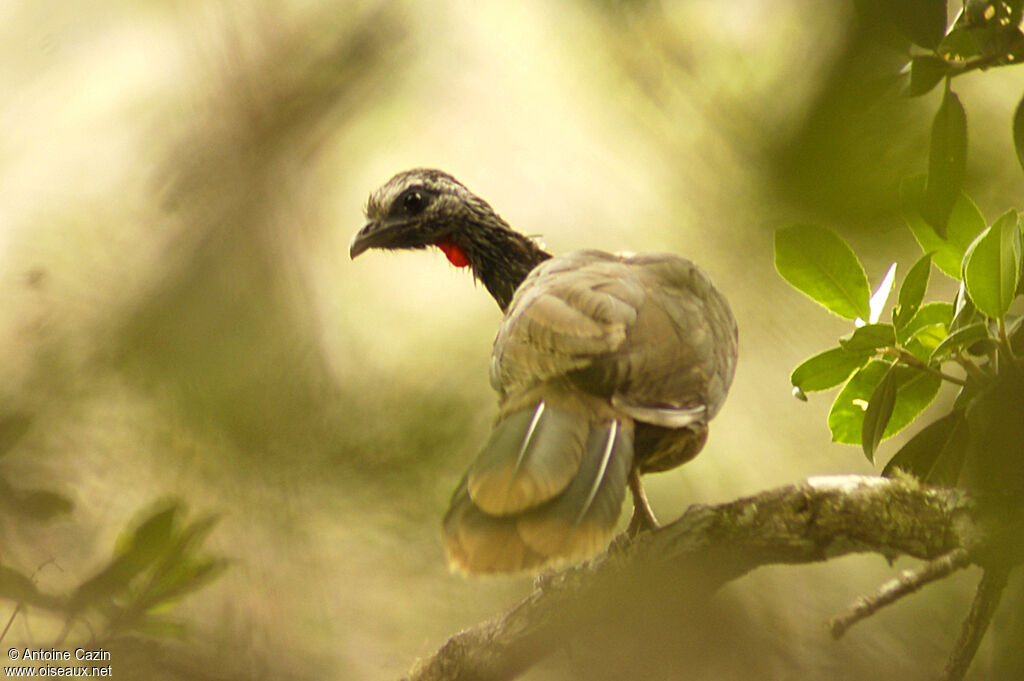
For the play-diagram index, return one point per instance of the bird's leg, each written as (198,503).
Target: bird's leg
(643,517)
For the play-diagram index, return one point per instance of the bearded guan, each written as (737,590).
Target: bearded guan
(607,366)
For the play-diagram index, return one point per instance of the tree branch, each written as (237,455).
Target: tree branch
(817,520)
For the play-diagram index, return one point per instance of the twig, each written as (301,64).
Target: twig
(911,360)
(983,62)
(65,630)
(986,600)
(906,583)
(18,608)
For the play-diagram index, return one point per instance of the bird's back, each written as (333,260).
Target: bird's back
(648,331)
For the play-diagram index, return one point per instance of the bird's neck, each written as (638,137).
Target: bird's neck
(501,258)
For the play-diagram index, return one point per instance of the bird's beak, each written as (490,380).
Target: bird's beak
(387,233)
(370,236)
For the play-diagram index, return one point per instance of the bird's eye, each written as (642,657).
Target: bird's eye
(414,202)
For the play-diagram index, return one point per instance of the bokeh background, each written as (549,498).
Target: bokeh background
(179,317)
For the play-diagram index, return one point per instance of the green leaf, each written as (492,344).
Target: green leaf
(936,454)
(959,45)
(925,330)
(994,12)
(40,504)
(946,468)
(927,315)
(19,588)
(878,413)
(1018,132)
(828,369)
(1020,263)
(928,338)
(37,504)
(185,577)
(995,463)
(915,391)
(110,580)
(869,337)
(816,261)
(960,338)
(925,73)
(846,417)
(136,549)
(965,223)
(182,569)
(965,312)
(991,266)
(912,291)
(992,28)
(196,533)
(923,22)
(12,428)
(1013,239)
(973,387)
(947,160)
(1016,8)
(1015,332)
(154,626)
(153,535)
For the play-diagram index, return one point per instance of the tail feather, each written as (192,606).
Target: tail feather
(548,485)
(531,456)
(483,544)
(580,521)
(602,469)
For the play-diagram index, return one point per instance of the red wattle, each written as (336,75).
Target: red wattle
(456,255)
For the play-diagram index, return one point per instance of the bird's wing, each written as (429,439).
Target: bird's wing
(568,311)
(648,331)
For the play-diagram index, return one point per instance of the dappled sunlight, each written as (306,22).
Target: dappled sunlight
(179,184)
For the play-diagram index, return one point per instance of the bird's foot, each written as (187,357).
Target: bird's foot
(643,519)
(640,522)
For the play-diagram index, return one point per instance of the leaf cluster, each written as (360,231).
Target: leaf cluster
(985,34)
(155,563)
(891,369)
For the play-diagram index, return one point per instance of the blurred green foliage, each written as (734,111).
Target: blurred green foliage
(157,562)
(180,320)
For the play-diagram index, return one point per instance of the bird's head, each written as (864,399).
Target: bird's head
(425,207)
